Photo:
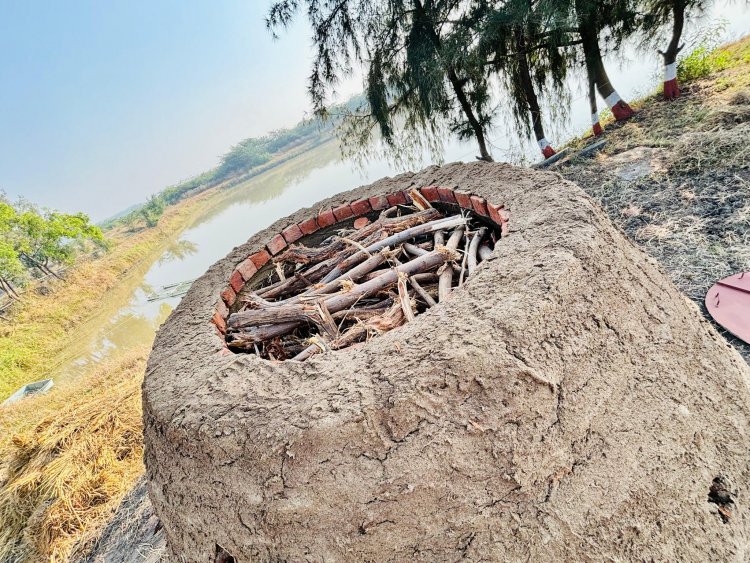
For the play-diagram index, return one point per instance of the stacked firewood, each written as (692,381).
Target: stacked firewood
(359,282)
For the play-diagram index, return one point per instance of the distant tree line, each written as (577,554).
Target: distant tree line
(431,65)
(241,159)
(35,242)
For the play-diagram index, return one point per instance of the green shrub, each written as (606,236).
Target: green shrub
(701,62)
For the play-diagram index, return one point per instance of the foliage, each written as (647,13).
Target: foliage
(702,61)
(421,77)
(152,210)
(40,239)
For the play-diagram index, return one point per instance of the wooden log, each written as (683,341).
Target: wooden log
(445,281)
(270,315)
(302,254)
(392,318)
(463,261)
(426,297)
(341,301)
(353,275)
(485,252)
(360,314)
(421,264)
(367,235)
(414,250)
(403,297)
(245,339)
(474,248)
(426,277)
(394,240)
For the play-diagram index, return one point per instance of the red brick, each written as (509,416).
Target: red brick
(479,205)
(292,233)
(398,198)
(222,308)
(236,281)
(260,259)
(229,296)
(308,227)
(219,322)
(379,202)
(407,196)
(430,193)
(499,215)
(361,206)
(342,212)
(326,218)
(247,269)
(463,199)
(446,195)
(276,245)
(361,222)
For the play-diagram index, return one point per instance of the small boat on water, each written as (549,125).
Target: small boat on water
(36,388)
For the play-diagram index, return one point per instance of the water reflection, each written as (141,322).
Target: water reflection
(178,251)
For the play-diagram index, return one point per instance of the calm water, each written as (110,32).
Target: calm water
(126,318)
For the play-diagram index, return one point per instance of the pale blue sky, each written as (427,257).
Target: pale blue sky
(104,103)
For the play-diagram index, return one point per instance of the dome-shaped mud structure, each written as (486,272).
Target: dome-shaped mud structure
(567,403)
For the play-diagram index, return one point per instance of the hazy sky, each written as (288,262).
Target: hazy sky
(104,103)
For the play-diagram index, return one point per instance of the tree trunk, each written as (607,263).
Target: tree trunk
(532,102)
(463,100)
(9,290)
(588,29)
(671,88)
(595,125)
(458,89)
(41,266)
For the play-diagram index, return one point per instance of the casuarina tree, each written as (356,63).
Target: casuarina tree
(420,77)
(618,19)
(658,14)
(524,43)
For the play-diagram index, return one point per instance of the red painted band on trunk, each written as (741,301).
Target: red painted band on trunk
(548,151)
(597,129)
(671,89)
(622,111)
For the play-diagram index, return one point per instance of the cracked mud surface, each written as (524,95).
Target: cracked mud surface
(567,403)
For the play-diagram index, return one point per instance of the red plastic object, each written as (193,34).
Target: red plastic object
(728,302)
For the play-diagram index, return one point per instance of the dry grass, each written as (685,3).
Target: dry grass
(692,215)
(68,471)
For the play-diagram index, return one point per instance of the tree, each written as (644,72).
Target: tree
(657,14)
(592,17)
(11,267)
(152,210)
(419,77)
(523,42)
(34,239)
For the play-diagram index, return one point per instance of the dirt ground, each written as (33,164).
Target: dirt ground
(676,180)
(134,535)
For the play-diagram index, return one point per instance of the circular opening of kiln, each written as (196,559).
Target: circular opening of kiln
(356,271)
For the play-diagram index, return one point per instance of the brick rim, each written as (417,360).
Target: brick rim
(326,217)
